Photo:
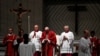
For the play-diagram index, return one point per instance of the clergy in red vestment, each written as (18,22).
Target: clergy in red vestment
(48,42)
(8,41)
(94,43)
(98,47)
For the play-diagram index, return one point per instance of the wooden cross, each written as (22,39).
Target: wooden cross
(76,9)
(19,11)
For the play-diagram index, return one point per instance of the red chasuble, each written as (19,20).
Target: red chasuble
(47,47)
(8,42)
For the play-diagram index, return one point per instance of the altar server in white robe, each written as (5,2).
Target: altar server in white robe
(67,38)
(35,36)
(85,44)
(26,48)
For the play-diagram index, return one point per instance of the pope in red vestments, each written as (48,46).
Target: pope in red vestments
(94,43)
(48,42)
(8,42)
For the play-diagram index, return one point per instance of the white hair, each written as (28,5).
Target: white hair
(66,26)
(46,28)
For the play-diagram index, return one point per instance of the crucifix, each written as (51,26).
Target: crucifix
(76,9)
(19,12)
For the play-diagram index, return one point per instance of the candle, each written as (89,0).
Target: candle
(28,24)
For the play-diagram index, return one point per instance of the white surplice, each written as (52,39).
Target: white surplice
(66,45)
(26,49)
(36,39)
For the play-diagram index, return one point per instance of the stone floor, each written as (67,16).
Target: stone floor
(2,49)
(2,53)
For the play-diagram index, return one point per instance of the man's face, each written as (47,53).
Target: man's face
(86,33)
(36,28)
(92,34)
(46,29)
(21,32)
(10,31)
(66,29)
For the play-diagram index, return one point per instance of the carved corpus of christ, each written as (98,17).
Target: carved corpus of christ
(19,12)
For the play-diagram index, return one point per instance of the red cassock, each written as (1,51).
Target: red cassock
(47,47)
(8,42)
(94,46)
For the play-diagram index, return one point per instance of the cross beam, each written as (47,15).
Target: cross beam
(77,9)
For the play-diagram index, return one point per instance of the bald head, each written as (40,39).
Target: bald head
(36,26)
(66,28)
(10,30)
(46,28)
